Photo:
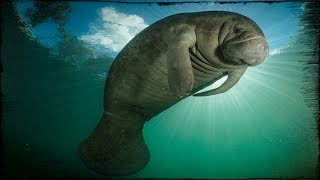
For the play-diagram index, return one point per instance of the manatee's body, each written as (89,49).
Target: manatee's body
(168,61)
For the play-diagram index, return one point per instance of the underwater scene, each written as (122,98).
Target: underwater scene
(59,120)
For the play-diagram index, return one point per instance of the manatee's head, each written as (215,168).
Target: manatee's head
(241,42)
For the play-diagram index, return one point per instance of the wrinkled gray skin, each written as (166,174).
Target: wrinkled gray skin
(168,61)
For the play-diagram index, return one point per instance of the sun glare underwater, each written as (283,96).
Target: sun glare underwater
(55,65)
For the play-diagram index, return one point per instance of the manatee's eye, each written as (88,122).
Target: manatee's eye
(238,30)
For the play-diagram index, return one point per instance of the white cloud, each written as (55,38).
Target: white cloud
(116,29)
(275,51)
(280,50)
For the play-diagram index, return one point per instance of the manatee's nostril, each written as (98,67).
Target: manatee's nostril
(261,48)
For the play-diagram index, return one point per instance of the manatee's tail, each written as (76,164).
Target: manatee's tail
(115,147)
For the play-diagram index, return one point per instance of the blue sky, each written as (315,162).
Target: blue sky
(97,23)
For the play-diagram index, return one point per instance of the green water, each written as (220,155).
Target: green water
(260,128)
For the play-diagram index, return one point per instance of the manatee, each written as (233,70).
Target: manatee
(165,63)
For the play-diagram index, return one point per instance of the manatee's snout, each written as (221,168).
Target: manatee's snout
(251,51)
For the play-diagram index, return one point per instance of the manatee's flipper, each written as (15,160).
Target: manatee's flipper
(233,77)
(180,73)
(115,149)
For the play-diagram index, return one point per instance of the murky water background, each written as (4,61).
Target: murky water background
(260,128)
